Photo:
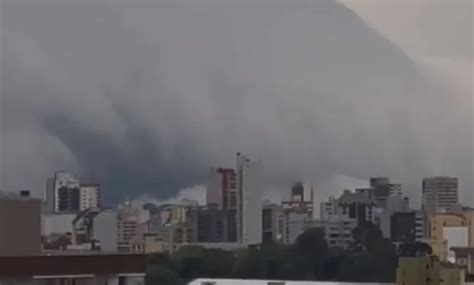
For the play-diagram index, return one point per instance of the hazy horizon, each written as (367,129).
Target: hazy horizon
(145,97)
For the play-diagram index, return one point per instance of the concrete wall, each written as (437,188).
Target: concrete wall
(105,230)
(57,223)
(20,226)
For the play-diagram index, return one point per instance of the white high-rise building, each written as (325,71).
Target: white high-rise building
(249,189)
(439,193)
(90,196)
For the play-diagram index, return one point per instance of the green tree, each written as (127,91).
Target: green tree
(161,275)
(415,249)
(309,254)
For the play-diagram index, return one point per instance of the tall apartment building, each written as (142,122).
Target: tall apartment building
(20,225)
(62,192)
(249,200)
(222,188)
(439,193)
(90,196)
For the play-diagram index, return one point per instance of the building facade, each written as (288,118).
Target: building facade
(439,193)
(127,228)
(57,223)
(403,227)
(90,196)
(96,229)
(20,225)
(210,224)
(222,188)
(450,230)
(421,222)
(272,223)
(393,204)
(344,214)
(249,200)
(427,270)
(66,192)
(297,222)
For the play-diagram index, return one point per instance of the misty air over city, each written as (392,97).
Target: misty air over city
(159,102)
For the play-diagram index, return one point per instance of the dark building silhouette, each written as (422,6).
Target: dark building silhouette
(403,227)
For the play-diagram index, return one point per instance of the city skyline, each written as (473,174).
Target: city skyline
(149,107)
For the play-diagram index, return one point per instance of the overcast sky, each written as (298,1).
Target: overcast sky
(145,96)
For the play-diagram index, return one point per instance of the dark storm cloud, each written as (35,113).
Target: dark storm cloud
(145,96)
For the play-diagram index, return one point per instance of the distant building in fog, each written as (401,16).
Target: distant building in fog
(209,224)
(222,188)
(439,193)
(249,200)
(380,190)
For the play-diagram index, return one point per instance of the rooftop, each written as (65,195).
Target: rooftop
(72,264)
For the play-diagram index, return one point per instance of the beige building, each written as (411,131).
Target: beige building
(451,230)
(428,270)
(130,228)
(90,196)
(20,225)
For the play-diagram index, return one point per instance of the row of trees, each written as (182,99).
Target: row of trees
(371,258)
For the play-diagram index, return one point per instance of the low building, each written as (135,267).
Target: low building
(86,269)
(129,225)
(20,224)
(153,243)
(428,270)
(96,228)
(448,230)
